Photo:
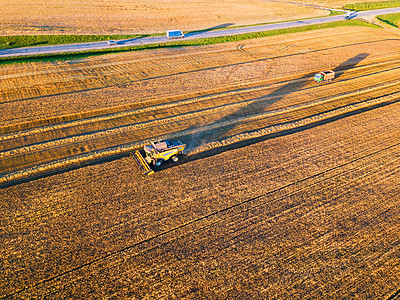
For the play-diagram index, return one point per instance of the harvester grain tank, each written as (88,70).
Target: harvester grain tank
(158,152)
(324,76)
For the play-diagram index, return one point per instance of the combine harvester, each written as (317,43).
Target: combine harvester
(157,153)
(324,76)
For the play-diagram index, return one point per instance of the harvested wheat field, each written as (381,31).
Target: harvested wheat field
(141,16)
(289,189)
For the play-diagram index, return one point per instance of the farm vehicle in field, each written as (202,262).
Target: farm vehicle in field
(324,76)
(157,153)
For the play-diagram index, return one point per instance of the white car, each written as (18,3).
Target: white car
(349,15)
(110,43)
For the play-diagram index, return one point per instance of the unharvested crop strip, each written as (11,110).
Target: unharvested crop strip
(131,112)
(292,125)
(118,150)
(113,131)
(160,106)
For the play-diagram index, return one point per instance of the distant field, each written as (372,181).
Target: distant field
(140,16)
(21,17)
(372,5)
(351,3)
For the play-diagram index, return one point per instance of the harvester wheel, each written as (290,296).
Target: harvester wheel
(175,158)
(158,162)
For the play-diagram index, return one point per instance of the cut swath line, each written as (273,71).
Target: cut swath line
(259,86)
(292,125)
(127,113)
(118,150)
(187,116)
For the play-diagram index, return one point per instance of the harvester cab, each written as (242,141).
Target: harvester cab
(318,77)
(158,152)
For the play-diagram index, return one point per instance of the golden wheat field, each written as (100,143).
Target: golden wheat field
(140,16)
(289,189)
(149,16)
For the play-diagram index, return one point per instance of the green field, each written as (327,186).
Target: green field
(372,5)
(7,42)
(391,19)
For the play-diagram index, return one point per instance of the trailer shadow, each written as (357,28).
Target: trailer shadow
(349,64)
(261,104)
(141,37)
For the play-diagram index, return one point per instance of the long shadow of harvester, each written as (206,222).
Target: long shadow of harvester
(210,135)
(255,106)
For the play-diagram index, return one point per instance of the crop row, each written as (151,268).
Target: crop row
(224,118)
(141,208)
(290,227)
(21,86)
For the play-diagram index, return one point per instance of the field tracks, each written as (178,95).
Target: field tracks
(88,137)
(300,123)
(105,74)
(124,149)
(227,116)
(129,112)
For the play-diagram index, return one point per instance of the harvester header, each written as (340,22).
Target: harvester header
(143,165)
(158,152)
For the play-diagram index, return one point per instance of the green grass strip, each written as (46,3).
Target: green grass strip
(7,42)
(181,43)
(372,5)
(391,19)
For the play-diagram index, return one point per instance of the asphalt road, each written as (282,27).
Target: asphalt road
(194,35)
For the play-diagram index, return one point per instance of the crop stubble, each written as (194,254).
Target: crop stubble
(208,118)
(307,225)
(312,213)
